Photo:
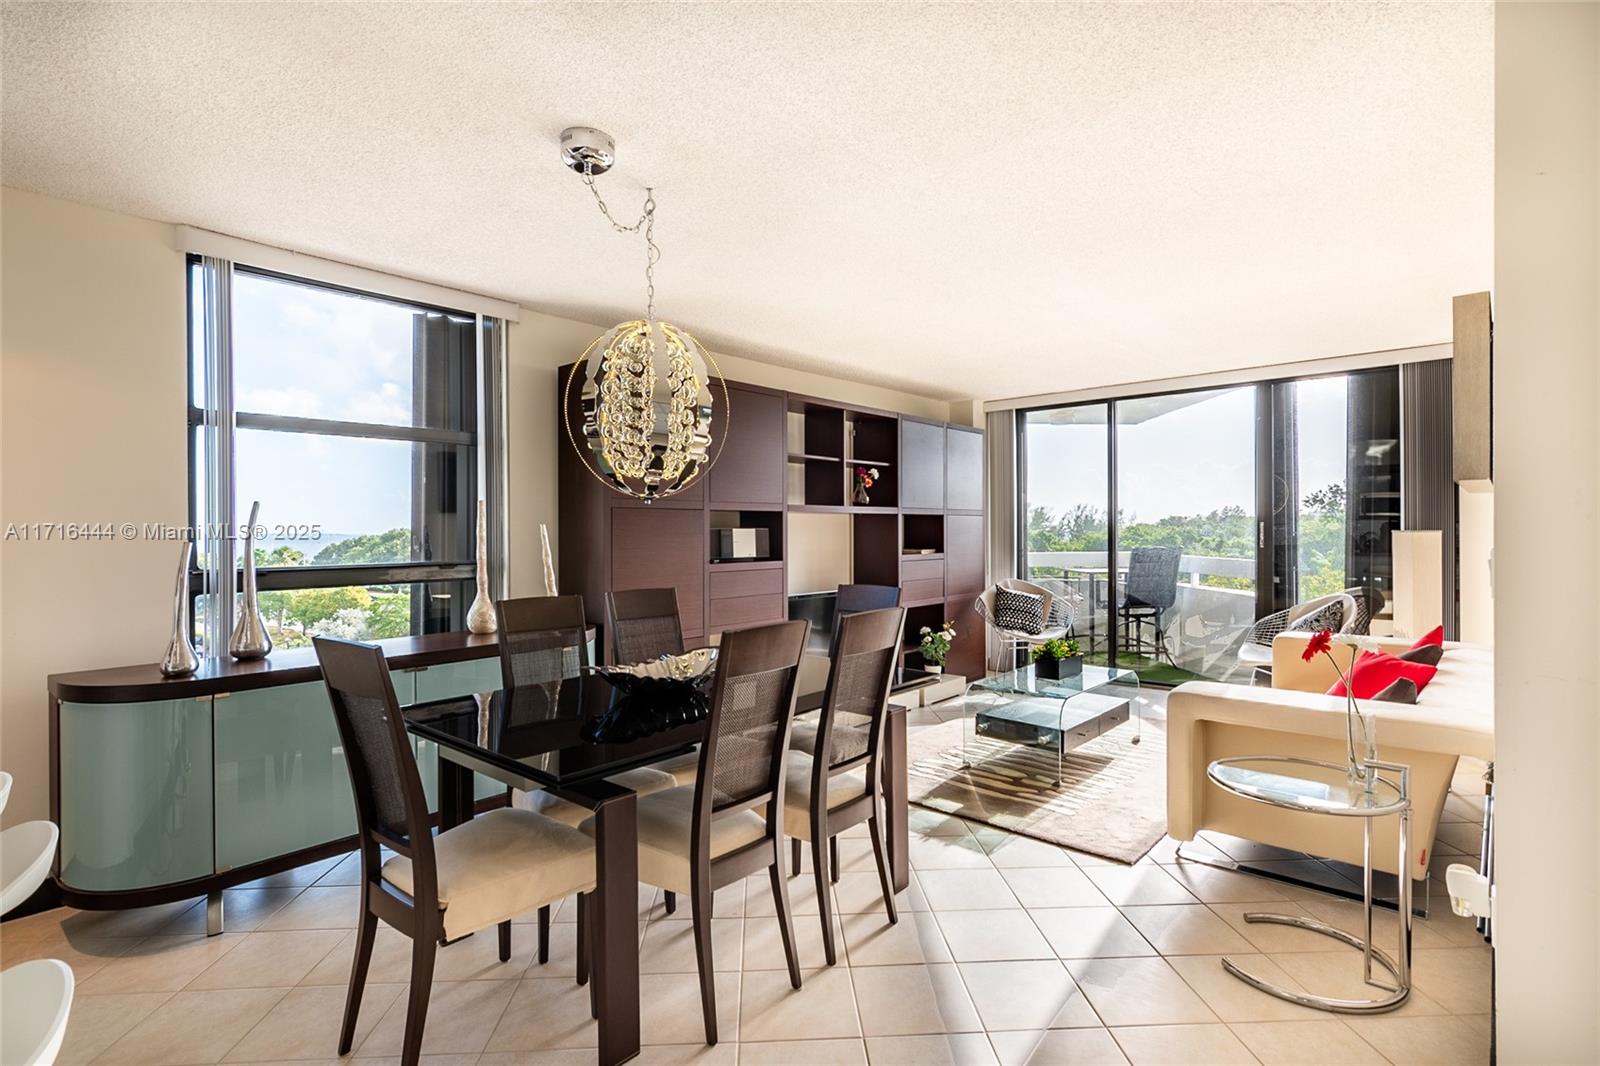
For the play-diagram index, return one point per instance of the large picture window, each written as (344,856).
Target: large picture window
(1172,522)
(353,419)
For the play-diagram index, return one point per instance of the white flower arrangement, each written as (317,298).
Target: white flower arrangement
(935,644)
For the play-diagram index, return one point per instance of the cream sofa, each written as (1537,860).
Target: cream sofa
(1453,717)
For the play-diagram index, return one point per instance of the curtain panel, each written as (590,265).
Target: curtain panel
(1001,502)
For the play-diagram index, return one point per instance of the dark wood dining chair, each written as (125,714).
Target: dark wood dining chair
(839,785)
(644,627)
(853,599)
(850,599)
(543,642)
(729,823)
(644,624)
(433,889)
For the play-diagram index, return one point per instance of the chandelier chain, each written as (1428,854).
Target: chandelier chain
(646,222)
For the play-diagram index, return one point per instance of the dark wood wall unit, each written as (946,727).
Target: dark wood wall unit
(967,649)
(875,548)
(783,453)
(921,580)
(748,472)
(964,578)
(922,462)
(963,469)
(654,548)
(746,594)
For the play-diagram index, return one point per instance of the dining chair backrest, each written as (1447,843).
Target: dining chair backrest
(542,639)
(644,624)
(1153,577)
(391,808)
(752,709)
(852,599)
(850,729)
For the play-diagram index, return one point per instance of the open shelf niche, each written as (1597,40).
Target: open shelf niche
(931,615)
(873,441)
(922,535)
(816,435)
(769,522)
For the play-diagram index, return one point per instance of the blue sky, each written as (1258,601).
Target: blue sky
(320,354)
(1190,460)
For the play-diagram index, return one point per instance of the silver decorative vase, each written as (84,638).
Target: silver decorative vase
(180,659)
(480,616)
(250,639)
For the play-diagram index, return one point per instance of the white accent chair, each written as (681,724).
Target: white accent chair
(35,997)
(1057,617)
(1256,651)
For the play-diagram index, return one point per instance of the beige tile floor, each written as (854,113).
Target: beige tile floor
(1007,951)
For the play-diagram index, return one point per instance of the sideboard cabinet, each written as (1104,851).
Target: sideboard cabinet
(166,789)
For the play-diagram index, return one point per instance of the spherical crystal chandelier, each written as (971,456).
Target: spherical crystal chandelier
(641,401)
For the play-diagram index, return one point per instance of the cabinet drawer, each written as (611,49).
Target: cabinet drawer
(726,584)
(921,569)
(737,611)
(923,591)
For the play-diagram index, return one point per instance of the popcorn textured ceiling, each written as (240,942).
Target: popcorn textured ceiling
(959,200)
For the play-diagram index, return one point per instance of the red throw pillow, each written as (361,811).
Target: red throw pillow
(1376,671)
(1434,636)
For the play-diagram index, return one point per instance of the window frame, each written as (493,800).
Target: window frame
(1271,595)
(292,578)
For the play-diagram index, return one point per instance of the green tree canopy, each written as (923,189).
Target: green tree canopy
(390,547)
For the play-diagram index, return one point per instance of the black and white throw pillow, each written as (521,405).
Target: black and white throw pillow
(1020,612)
(1329,617)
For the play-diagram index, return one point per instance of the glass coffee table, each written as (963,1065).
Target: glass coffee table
(1057,715)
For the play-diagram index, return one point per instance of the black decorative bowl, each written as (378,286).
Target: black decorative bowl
(645,706)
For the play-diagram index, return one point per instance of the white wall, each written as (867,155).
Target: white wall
(1547,490)
(1475,546)
(93,423)
(93,358)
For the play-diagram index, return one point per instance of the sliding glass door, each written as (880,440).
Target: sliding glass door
(1171,523)
(1065,478)
(1186,533)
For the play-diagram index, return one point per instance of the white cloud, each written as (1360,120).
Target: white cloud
(289,400)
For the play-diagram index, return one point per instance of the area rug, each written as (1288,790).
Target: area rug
(1112,801)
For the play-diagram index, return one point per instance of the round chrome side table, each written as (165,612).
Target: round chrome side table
(1324,788)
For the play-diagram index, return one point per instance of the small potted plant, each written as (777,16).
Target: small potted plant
(1056,659)
(866,477)
(935,646)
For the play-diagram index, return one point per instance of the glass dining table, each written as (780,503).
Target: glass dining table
(532,737)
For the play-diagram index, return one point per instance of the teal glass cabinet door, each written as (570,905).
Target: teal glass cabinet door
(458,679)
(135,793)
(281,779)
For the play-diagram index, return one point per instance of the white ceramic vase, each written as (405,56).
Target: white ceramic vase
(480,616)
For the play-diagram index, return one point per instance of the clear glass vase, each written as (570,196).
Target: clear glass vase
(1361,745)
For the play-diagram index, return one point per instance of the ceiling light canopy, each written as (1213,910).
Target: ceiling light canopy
(641,401)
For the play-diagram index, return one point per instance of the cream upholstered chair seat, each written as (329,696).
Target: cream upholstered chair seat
(665,836)
(803,735)
(644,780)
(683,768)
(501,863)
(842,788)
